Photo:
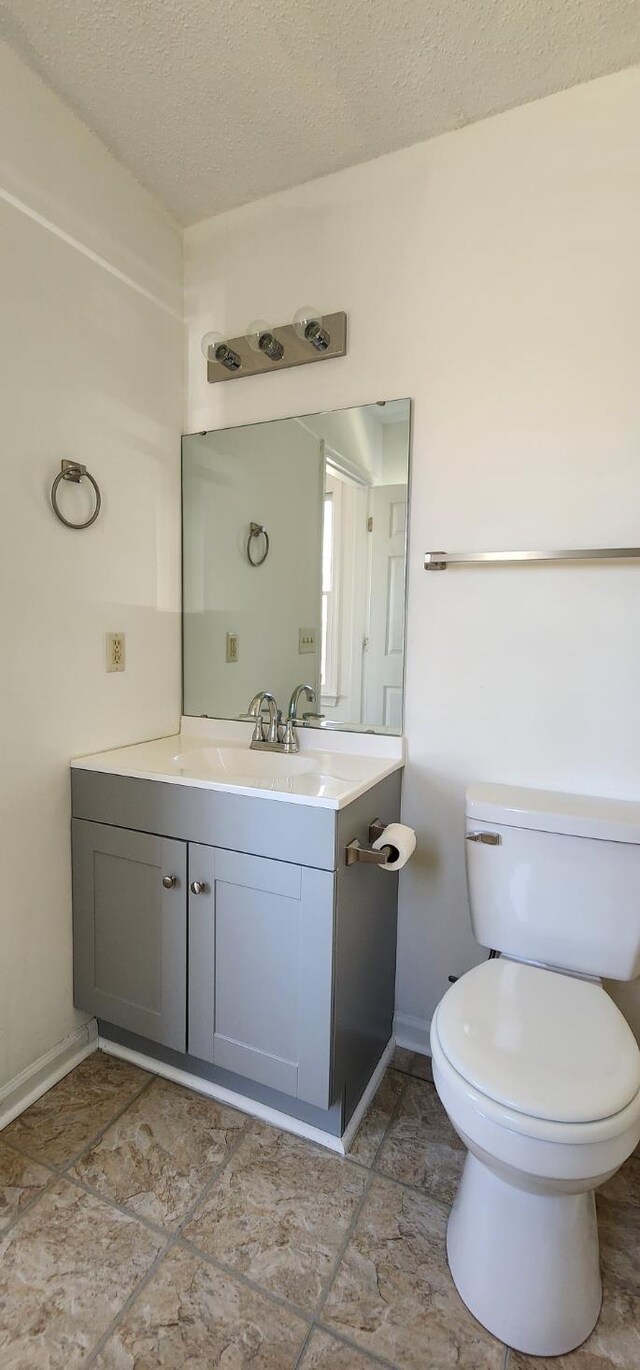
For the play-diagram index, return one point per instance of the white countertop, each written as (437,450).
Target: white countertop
(214,754)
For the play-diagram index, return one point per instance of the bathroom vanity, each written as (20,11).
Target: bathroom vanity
(226,928)
(217,925)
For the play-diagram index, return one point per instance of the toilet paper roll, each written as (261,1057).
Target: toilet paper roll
(402,841)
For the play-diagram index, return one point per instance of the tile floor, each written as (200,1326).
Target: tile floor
(142,1225)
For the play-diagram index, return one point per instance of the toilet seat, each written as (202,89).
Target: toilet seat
(518,1136)
(543,1050)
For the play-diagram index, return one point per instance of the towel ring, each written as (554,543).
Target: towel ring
(257,530)
(73,470)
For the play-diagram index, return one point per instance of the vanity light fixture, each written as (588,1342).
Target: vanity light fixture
(308,324)
(311,337)
(261,337)
(216,349)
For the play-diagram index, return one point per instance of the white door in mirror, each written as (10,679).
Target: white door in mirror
(384,654)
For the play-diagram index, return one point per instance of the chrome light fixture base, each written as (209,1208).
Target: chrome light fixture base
(296,351)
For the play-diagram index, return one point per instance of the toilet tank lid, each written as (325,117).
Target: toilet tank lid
(577,815)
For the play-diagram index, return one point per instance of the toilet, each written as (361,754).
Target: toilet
(535,1065)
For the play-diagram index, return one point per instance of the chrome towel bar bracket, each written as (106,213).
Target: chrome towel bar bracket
(439,561)
(76,472)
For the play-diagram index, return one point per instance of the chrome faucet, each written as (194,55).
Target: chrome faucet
(279,736)
(259,737)
(292,711)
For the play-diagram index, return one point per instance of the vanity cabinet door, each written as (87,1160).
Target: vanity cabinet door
(261,970)
(130,930)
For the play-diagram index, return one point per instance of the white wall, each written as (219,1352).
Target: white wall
(90,368)
(494,275)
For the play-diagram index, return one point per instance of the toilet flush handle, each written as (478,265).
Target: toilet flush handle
(490,839)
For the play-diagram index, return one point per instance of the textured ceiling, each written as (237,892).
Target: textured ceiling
(212,103)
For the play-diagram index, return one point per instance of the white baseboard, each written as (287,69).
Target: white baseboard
(252,1106)
(356,1118)
(22,1091)
(412,1033)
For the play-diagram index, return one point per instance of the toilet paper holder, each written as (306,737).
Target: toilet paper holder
(354,852)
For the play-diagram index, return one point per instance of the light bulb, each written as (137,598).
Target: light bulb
(308,325)
(261,337)
(215,348)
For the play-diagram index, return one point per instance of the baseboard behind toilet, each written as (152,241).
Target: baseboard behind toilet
(412,1033)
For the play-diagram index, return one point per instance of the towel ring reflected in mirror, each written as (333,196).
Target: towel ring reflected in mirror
(75,471)
(257,530)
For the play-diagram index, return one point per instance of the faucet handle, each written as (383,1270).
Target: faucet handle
(290,741)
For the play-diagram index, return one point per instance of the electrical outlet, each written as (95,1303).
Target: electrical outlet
(306,640)
(115,652)
(232,647)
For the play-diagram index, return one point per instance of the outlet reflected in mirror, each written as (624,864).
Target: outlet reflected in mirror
(317,595)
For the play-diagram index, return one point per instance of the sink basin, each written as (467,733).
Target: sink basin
(279,772)
(243,764)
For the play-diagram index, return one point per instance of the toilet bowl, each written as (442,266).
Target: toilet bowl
(540,1076)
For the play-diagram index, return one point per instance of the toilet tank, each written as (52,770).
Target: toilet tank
(555,878)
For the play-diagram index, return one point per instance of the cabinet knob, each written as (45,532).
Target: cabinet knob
(169,881)
(198,887)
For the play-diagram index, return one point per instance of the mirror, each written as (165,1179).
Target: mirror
(294,566)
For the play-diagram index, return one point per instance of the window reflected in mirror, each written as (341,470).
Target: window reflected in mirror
(294,555)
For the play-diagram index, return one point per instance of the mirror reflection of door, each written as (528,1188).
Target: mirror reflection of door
(364,552)
(344,593)
(384,642)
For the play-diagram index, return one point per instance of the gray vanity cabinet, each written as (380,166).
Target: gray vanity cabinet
(258,993)
(261,970)
(226,936)
(130,945)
